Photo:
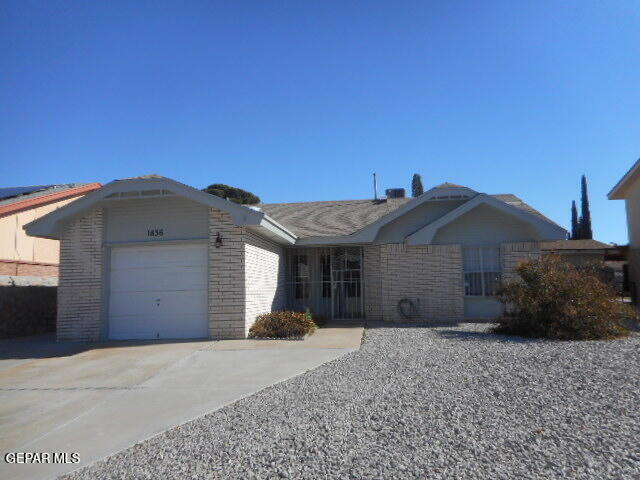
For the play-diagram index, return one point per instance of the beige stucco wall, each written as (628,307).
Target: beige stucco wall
(632,203)
(16,245)
(485,226)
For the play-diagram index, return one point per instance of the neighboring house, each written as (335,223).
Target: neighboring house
(150,257)
(579,252)
(21,255)
(628,189)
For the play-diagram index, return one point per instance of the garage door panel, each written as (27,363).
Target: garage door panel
(139,327)
(154,303)
(158,291)
(145,303)
(165,255)
(158,279)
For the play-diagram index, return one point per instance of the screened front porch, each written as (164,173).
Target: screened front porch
(326,280)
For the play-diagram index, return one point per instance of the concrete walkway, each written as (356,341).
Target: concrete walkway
(96,399)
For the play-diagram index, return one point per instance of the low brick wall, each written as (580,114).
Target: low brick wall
(27,311)
(429,276)
(31,269)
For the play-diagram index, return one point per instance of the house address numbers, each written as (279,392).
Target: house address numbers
(155,232)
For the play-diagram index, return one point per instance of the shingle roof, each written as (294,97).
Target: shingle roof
(574,245)
(143,177)
(449,185)
(344,217)
(511,199)
(331,218)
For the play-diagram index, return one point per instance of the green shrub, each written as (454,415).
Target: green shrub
(555,300)
(319,320)
(283,324)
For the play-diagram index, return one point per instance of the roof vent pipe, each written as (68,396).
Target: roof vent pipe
(375,186)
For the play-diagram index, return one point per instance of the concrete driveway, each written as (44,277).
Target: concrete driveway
(96,399)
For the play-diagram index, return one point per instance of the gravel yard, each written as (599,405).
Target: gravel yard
(448,402)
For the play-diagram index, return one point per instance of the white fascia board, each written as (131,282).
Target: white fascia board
(48,226)
(369,233)
(339,240)
(544,228)
(285,236)
(617,192)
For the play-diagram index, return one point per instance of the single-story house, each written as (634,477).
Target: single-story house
(150,257)
(22,255)
(628,189)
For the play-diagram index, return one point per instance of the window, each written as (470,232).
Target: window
(482,272)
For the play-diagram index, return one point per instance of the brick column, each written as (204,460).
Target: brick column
(372,285)
(80,282)
(226,277)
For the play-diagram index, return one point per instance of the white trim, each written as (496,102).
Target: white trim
(370,232)
(616,192)
(49,225)
(545,229)
(142,243)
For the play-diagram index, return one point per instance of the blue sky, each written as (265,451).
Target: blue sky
(304,100)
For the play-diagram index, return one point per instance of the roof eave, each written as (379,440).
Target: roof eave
(619,190)
(426,234)
(49,226)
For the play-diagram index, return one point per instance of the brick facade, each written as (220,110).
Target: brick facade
(514,253)
(80,282)
(226,277)
(19,268)
(246,277)
(264,277)
(429,276)
(372,282)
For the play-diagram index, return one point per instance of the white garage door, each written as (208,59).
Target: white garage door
(158,291)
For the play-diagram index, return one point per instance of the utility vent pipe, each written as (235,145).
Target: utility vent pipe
(375,186)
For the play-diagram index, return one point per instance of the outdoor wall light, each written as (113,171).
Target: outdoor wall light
(218,240)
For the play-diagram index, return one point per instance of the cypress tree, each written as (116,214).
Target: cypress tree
(574,221)
(416,185)
(585,217)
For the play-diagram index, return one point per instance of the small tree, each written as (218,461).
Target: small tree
(416,185)
(553,299)
(585,217)
(234,194)
(574,221)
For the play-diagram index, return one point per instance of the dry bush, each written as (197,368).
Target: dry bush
(555,300)
(283,324)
